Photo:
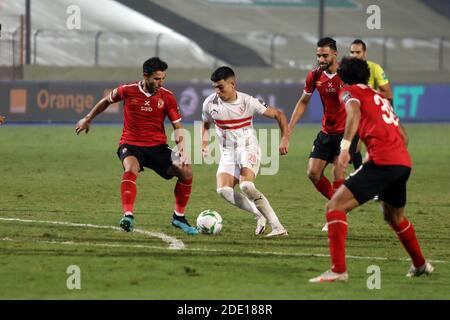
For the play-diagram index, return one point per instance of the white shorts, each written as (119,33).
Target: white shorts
(232,161)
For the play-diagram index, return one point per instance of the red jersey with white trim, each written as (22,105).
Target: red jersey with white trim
(144,114)
(233,120)
(328,86)
(378,127)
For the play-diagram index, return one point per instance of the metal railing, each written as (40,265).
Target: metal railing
(106,48)
(99,48)
(392,52)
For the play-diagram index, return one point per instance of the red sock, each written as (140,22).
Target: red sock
(183,190)
(407,235)
(337,184)
(128,191)
(337,234)
(324,187)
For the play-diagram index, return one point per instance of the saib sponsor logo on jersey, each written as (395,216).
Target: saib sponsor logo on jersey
(330,88)
(146,107)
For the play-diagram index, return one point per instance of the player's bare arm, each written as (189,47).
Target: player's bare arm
(85,123)
(2,120)
(179,140)
(386,91)
(278,115)
(353,110)
(299,110)
(403,133)
(205,137)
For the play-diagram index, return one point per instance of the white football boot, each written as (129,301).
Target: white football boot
(260,225)
(330,276)
(280,231)
(426,269)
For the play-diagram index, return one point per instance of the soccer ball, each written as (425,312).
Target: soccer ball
(209,221)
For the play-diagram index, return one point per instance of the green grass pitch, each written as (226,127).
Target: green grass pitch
(50,174)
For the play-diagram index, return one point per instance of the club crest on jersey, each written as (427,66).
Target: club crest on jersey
(160,103)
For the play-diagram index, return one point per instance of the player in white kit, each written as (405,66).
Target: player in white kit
(232,113)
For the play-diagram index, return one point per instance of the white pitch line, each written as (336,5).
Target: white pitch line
(174,243)
(301,254)
(117,245)
(73,243)
(261,253)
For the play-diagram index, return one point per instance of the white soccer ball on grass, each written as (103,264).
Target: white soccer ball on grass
(209,222)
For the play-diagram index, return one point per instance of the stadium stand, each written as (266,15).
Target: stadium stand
(285,36)
(441,7)
(108,32)
(212,41)
(271,41)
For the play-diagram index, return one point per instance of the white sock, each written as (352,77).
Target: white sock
(178,214)
(261,202)
(239,200)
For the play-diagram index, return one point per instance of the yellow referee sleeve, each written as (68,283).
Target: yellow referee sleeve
(377,75)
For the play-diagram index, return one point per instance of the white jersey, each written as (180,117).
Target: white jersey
(233,120)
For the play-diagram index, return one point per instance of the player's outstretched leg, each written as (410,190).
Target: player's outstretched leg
(407,236)
(180,221)
(182,192)
(263,205)
(128,195)
(240,201)
(404,229)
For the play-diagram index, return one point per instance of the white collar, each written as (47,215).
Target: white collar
(330,76)
(140,85)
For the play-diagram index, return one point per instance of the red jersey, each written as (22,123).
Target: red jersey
(144,114)
(378,127)
(333,119)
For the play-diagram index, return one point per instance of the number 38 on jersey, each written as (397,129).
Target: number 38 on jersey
(388,116)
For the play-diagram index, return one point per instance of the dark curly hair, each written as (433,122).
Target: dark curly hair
(352,71)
